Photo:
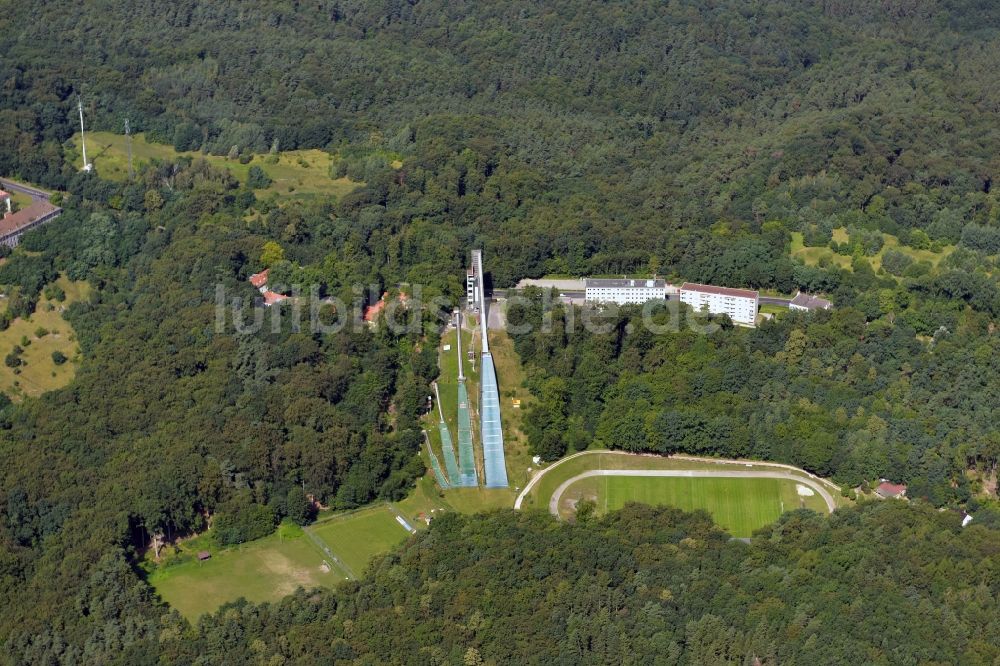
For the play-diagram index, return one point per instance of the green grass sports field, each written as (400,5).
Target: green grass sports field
(739,506)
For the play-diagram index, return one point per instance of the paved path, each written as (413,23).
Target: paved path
(689,473)
(718,461)
(33,192)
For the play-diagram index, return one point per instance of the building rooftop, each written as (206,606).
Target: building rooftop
(24,217)
(721,291)
(890,490)
(372,311)
(4,195)
(618,283)
(810,302)
(272,297)
(258,280)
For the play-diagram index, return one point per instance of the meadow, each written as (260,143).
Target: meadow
(301,174)
(263,570)
(273,567)
(38,372)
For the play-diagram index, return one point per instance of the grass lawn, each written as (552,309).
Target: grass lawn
(38,372)
(770,308)
(356,538)
(426,499)
(263,570)
(297,173)
(739,506)
(812,256)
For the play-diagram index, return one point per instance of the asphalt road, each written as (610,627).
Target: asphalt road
(33,192)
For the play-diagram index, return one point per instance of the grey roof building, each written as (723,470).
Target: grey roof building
(804,301)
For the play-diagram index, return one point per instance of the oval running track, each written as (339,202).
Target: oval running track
(690,473)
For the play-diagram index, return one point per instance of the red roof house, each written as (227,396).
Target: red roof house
(259,280)
(890,490)
(272,297)
(372,311)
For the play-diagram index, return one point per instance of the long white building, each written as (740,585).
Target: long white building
(740,304)
(623,291)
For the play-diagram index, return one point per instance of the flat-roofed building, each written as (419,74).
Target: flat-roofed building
(623,291)
(740,304)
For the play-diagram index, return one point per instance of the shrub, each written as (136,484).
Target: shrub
(59,358)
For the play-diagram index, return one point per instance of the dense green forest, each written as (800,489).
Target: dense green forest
(689,138)
(880,584)
(839,393)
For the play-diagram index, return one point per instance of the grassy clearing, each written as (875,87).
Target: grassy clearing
(356,538)
(739,506)
(814,256)
(263,570)
(475,500)
(273,567)
(301,174)
(38,372)
(540,494)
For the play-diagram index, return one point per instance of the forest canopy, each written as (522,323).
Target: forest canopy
(846,147)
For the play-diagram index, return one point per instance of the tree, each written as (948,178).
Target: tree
(298,506)
(58,357)
(271,254)
(257,178)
